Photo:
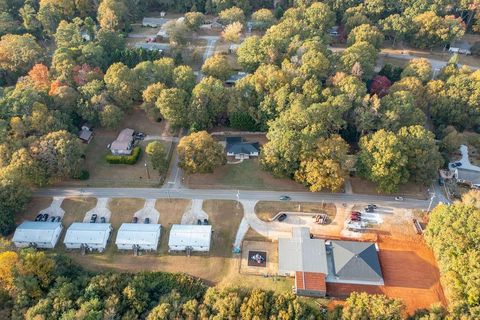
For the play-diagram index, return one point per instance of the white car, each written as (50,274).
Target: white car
(399,198)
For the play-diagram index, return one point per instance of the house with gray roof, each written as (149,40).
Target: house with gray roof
(236,147)
(123,145)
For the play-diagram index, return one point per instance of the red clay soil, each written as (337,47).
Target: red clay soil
(410,274)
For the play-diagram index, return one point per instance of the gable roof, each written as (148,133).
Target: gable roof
(235,145)
(91,233)
(356,261)
(138,233)
(36,231)
(190,235)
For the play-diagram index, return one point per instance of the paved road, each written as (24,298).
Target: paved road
(230,195)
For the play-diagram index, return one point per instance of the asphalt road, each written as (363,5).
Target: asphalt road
(157,193)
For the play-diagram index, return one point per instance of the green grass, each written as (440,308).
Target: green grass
(245,174)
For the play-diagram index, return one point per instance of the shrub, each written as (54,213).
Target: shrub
(131,159)
(83,175)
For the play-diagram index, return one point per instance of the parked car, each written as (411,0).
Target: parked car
(139,135)
(282,217)
(146,221)
(102,220)
(398,198)
(199,221)
(356,213)
(355,218)
(45,217)
(285,198)
(456,164)
(39,217)
(59,219)
(374,206)
(441,182)
(368,209)
(93,219)
(134,220)
(53,218)
(205,221)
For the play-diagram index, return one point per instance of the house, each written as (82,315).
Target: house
(190,237)
(460,46)
(86,133)
(306,260)
(124,143)
(235,77)
(88,236)
(239,149)
(138,236)
(37,234)
(162,47)
(153,22)
(468,177)
(315,262)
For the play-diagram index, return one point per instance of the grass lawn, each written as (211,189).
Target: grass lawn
(171,211)
(35,205)
(247,175)
(412,190)
(266,210)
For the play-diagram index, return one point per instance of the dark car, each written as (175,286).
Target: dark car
(205,221)
(39,217)
(45,217)
(53,218)
(285,198)
(58,219)
(139,135)
(199,221)
(147,220)
(93,219)
(368,209)
(134,220)
(458,164)
(374,206)
(102,220)
(282,217)
(441,182)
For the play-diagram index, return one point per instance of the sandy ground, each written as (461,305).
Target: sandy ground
(148,211)
(101,210)
(55,209)
(194,213)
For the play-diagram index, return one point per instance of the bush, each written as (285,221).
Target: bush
(83,175)
(131,159)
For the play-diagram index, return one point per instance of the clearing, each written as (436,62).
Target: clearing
(266,210)
(410,189)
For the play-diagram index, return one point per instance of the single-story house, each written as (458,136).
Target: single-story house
(86,133)
(153,46)
(239,149)
(306,260)
(139,236)
(316,262)
(190,237)
(235,77)
(37,234)
(88,236)
(460,46)
(153,22)
(124,143)
(468,177)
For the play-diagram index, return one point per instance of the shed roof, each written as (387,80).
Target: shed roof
(356,261)
(138,233)
(90,233)
(85,134)
(36,231)
(300,253)
(190,235)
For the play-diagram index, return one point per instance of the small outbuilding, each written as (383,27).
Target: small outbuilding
(85,133)
(37,234)
(138,236)
(190,237)
(88,236)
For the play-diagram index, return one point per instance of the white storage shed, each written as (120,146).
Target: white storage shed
(91,236)
(140,235)
(190,237)
(37,234)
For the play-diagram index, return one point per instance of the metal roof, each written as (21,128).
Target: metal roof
(300,253)
(90,233)
(190,235)
(138,233)
(36,231)
(356,261)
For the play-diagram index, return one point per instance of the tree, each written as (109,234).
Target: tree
(319,17)
(111,116)
(178,32)
(472,198)
(121,83)
(363,53)
(193,20)
(150,96)
(18,54)
(217,66)
(173,106)
(14,195)
(419,68)
(112,14)
(40,76)
(184,78)
(157,156)
(395,26)
(68,35)
(250,54)
(208,103)
(365,306)
(232,32)
(233,14)
(367,33)
(431,30)
(263,19)
(200,153)
(382,160)
(8,260)
(398,110)
(380,85)
(324,167)
(7,24)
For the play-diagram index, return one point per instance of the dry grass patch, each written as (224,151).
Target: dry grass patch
(266,210)
(35,205)
(171,211)
(75,209)
(123,209)
(410,189)
(253,235)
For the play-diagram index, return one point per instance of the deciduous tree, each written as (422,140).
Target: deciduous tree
(200,153)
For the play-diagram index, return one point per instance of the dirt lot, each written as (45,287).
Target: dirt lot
(411,190)
(246,175)
(171,212)
(103,174)
(33,208)
(266,210)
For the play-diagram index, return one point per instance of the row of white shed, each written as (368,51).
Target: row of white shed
(130,236)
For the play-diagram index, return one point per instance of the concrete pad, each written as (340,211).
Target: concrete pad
(194,212)
(55,209)
(148,211)
(101,209)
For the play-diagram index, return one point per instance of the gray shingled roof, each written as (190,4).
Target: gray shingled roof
(236,146)
(356,261)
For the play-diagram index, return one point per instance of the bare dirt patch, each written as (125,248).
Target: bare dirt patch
(35,205)
(410,189)
(267,210)
(270,265)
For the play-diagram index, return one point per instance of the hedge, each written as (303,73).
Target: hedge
(131,159)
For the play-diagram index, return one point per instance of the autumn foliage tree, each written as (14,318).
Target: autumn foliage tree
(200,153)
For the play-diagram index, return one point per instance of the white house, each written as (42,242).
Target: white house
(190,237)
(141,236)
(37,234)
(91,236)
(124,143)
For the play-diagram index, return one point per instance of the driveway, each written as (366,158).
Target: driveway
(466,164)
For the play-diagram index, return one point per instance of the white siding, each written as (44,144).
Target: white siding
(145,236)
(93,235)
(197,237)
(39,234)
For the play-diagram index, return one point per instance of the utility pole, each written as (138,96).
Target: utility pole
(238,198)
(431,201)
(146,168)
